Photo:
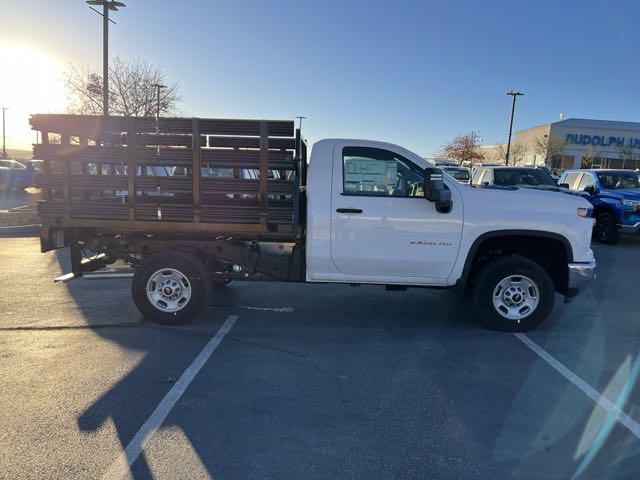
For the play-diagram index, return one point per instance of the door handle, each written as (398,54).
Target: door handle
(349,210)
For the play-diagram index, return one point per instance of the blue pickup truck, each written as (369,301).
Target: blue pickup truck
(615,195)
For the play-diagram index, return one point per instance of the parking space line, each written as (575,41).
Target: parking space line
(610,407)
(121,466)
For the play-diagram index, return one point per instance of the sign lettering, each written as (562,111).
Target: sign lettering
(602,140)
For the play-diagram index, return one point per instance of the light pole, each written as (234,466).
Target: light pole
(300,127)
(106,6)
(158,86)
(4,144)
(513,94)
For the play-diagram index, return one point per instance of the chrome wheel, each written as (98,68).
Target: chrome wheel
(516,297)
(168,290)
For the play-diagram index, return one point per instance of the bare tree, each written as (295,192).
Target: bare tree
(551,149)
(516,152)
(465,148)
(630,156)
(590,156)
(495,153)
(130,90)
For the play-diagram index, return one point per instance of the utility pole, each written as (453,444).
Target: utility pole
(4,141)
(513,94)
(106,6)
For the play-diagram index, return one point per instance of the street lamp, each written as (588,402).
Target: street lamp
(107,5)
(4,144)
(300,127)
(158,86)
(513,94)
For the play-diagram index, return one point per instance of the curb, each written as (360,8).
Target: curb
(20,231)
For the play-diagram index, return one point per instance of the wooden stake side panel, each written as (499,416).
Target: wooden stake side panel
(178,174)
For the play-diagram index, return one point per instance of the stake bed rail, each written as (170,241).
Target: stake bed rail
(213,177)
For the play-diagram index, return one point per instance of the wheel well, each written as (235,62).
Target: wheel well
(550,253)
(601,209)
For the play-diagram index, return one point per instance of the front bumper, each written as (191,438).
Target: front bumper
(635,228)
(580,275)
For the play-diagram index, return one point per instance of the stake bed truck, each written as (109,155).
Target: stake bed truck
(192,204)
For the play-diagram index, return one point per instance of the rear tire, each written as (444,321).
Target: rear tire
(513,294)
(170,288)
(606,229)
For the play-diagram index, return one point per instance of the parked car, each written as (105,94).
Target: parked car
(461,174)
(615,195)
(512,177)
(545,168)
(15,175)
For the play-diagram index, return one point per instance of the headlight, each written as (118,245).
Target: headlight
(630,203)
(586,212)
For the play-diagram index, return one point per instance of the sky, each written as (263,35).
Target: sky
(415,73)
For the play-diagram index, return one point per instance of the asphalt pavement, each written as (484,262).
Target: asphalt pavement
(314,381)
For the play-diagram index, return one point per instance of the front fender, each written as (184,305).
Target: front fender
(609,203)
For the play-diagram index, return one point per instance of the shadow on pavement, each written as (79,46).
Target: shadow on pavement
(283,376)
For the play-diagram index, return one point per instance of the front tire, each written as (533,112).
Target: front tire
(513,294)
(606,229)
(170,288)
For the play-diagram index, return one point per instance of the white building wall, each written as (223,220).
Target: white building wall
(607,135)
(604,131)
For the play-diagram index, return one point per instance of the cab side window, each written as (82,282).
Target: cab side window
(485,177)
(377,172)
(477,175)
(570,179)
(586,181)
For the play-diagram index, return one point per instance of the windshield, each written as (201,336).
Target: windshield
(460,174)
(506,177)
(619,180)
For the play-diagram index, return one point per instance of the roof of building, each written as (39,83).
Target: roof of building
(591,123)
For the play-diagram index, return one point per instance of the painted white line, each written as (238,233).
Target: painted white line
(120,468)
(269,309)
(588,390)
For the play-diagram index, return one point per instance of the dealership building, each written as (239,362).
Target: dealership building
(578,142)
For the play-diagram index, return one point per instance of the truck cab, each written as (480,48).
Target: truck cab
(376,226)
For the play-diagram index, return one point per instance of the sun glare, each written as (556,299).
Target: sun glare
(31,82)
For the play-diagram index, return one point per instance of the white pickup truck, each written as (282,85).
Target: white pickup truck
(362,212)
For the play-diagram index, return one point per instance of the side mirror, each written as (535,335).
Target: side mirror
(565,185)
(435,190)
(590,189)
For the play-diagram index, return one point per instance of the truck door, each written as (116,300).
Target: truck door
(381,224)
